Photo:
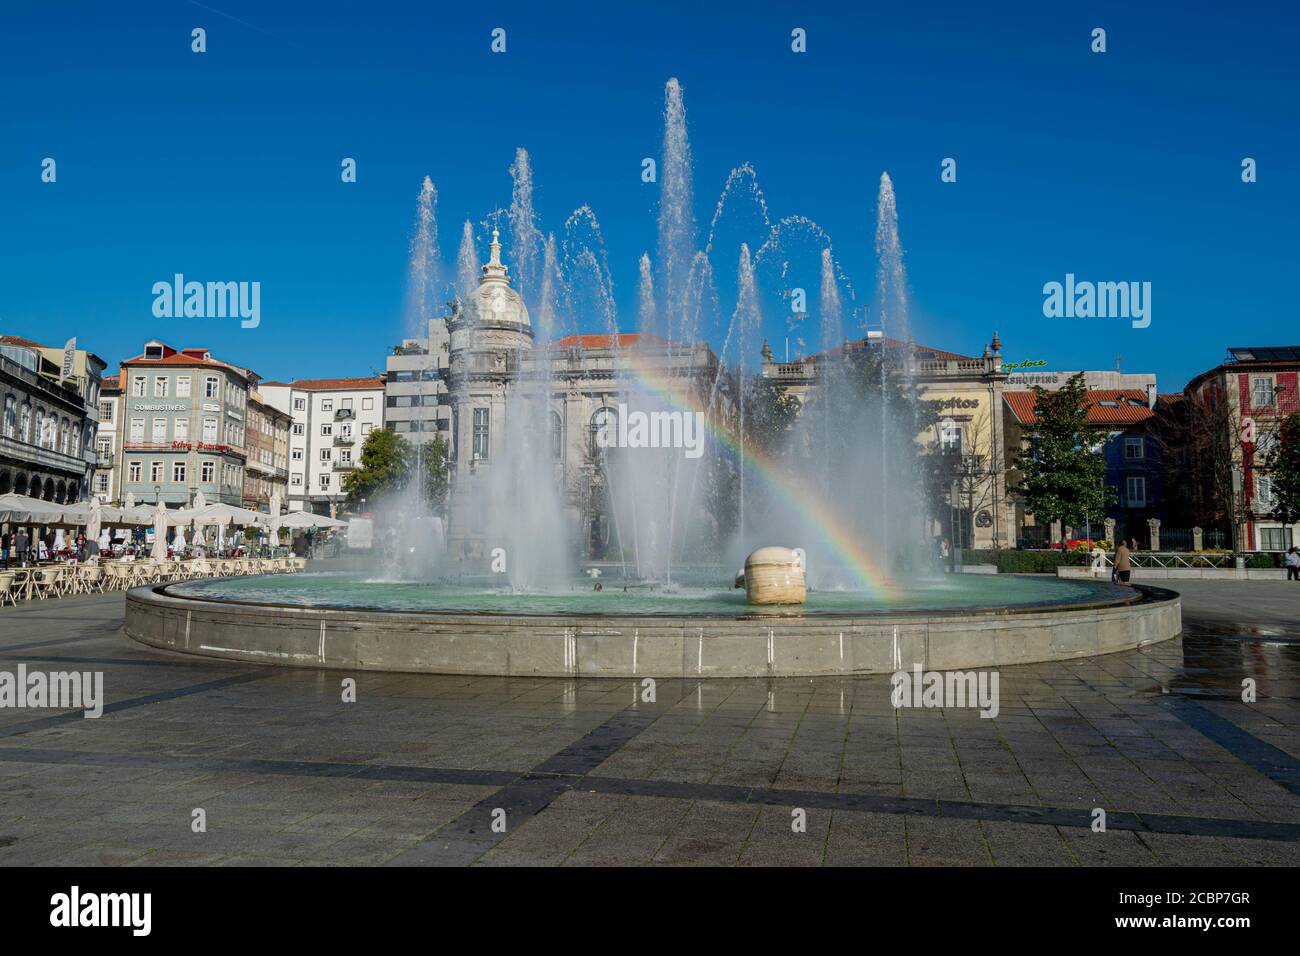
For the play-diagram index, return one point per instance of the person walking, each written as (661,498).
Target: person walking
(1123,563)
(21,546)
(1293,564)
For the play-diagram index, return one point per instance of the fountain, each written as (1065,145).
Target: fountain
(569,555)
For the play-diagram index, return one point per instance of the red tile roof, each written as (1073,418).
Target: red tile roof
(625,339)
(1105,406)
(19,340)
(185,360)
(330,384)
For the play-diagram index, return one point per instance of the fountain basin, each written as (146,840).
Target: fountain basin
(611,634)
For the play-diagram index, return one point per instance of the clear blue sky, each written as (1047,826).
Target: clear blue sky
(225,166)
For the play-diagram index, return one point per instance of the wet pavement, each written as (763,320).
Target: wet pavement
(504,771)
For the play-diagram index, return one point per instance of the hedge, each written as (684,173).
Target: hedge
(1011,561)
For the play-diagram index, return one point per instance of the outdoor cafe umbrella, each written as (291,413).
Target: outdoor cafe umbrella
(159,552)
(20,509)
(298,520)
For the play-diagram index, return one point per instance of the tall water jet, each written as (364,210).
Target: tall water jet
(677,236)
(467,265)
(425,269)
(748,321)
(525,237)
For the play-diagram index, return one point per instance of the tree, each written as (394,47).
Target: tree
(434,481)
(384,467)
(1063,470)
(1284,463)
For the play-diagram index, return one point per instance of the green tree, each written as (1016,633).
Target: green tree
(1063,470)
(1284,463)
(384,467)
(434,482)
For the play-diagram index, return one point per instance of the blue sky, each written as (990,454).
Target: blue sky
(225,165)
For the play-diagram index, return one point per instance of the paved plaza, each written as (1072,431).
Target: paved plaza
(511,771)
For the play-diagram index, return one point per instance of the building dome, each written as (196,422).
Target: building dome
(494,303)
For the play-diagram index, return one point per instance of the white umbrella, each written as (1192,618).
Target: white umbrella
(297,520)
(178,542)
(58,539)
(20,509)
(159,552)
(105,540)
(130,501)
(200,501)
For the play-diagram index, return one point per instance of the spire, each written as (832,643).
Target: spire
(494,269)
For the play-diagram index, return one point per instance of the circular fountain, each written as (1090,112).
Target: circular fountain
(655,466)
(353,623)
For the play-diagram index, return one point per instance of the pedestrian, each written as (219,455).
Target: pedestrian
(1293,564)
(4,549)
(21,546)
(1123,564)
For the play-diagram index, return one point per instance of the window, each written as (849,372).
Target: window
(1274,539)
(325,454)
(345,456)
(137,429)
(1134,447)
(367,404)
(326,431)
(300,404)
(557,436)
(155,471)
(133,471)
(106,411)
(327,404)
(182,386)
(137,386)
(159,431)
(104,446)
(606,417)
(346,432)
(1265,445)
(207,470)
(367,428)
(101,483)
(345,403)
(25,423)
(324,482)
(297,454)
(482,419)
(296,479)
(1265,500)
(1263,393)
(209,429)
(1135,489)
(178,471)
(211,386)
(160,386)
(950,438)
(299,428)
(181,429)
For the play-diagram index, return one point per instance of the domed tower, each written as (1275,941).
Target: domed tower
(490,334)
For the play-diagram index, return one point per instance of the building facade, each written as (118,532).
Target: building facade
(1239,405)
(107,480)
(965,394)
(183,426)
(330,419)
(416,401)
(49,400)
(267,471)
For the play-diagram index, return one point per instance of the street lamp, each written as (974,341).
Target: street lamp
(157,494)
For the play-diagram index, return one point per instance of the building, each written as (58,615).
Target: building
(50,401)
(107,481)
(584,378)
(183,426)
(1125,424)
(330,421)
(965,392)
(1104,379)
(267,470)
(1228,429)
(416,402)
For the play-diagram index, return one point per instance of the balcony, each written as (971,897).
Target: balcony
(344,440)
(104,459)
(344,465)
(343,413)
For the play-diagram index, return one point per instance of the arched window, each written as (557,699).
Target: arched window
(25,423)
(557,437)
(11,416)
(604,420)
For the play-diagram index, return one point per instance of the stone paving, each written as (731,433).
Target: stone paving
(712,772)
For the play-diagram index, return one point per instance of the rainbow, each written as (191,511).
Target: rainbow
(847,549)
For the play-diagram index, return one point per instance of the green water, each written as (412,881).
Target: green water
(356,591)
